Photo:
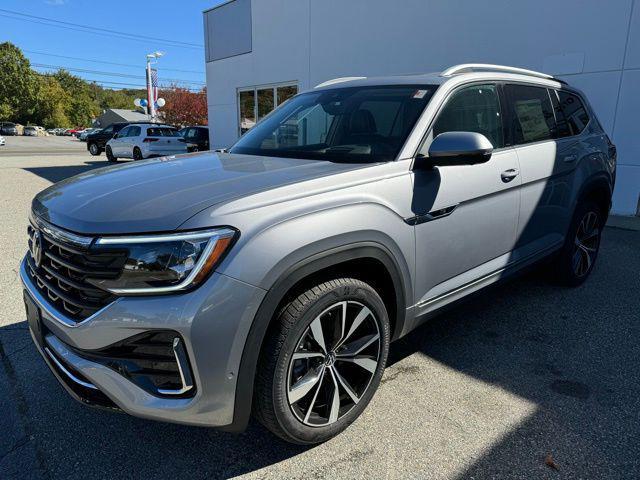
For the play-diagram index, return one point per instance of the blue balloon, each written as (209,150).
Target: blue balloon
(143,103)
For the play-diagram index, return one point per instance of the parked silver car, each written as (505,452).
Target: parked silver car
(30,131)
(272,278)
(144,140)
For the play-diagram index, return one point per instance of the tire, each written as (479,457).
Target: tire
(94,149)
(576,259)
(311,326)
(110,156)
(137,154)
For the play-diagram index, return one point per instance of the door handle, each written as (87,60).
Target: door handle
(570,158)
(509,175)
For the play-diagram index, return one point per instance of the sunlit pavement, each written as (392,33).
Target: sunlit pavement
(521,374)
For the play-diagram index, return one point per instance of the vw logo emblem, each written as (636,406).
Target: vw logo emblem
(36,248)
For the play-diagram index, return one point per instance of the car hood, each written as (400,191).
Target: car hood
(162,193)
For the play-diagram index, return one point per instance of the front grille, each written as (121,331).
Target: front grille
(63,272)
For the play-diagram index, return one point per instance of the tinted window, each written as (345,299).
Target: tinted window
(532,118)
(571,115)
(124,132)
(107,130)
(163,132)
(364,124)
(473,109)
(133,132)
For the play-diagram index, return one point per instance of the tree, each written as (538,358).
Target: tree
(184,107)
(18,85)
(53,104)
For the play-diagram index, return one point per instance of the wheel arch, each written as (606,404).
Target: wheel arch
(314,267)
(597,188)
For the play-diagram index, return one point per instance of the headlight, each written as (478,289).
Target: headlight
(165,263)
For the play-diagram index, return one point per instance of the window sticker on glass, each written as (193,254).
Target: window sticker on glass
(531,118)
(420,94)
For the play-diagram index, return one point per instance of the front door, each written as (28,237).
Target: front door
(466,216)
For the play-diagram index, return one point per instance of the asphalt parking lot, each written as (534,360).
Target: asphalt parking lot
(524,373)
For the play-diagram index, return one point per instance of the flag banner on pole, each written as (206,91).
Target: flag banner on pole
(154,84)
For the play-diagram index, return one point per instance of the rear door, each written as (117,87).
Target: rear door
(547,162)
(466,216)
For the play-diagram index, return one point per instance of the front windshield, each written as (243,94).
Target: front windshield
(352,124)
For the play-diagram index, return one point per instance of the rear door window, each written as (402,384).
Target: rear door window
(133,131)
(531,114)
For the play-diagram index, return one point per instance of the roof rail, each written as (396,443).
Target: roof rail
(485,67)
(338,80)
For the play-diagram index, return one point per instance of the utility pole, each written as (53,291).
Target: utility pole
(152,58)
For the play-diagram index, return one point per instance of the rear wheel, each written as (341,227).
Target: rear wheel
(110,156)
(322,362)
(137,154)
(580,251)
(94,149)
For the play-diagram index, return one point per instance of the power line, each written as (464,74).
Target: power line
(113,74)
(108,63)
(145,37)
(96,31)
(130,85)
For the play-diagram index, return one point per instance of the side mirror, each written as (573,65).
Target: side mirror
(458,148)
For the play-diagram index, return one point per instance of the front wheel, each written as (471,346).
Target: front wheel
(578,255)
(110,156)
(322,361)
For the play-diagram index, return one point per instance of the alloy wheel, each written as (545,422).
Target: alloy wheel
(586,243)
(333,363)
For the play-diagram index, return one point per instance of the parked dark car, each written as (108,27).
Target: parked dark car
(96,141)
(8,128)
(197,138)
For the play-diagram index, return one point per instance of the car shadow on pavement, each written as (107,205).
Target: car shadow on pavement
(573,354)
(56,174)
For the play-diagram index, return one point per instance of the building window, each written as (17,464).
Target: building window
(255,103)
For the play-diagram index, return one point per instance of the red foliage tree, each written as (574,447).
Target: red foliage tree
(184,107)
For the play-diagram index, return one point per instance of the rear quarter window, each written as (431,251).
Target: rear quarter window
(572,116)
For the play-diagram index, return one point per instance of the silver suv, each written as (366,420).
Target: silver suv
(271,278)
(145,140)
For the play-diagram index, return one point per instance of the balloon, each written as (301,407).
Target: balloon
(136,102)
(161,102)
(143,103)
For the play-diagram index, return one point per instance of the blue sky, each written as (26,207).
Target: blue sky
(178,21)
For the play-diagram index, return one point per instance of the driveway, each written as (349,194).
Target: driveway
(522,374)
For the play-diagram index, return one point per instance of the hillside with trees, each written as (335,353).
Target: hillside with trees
(57,99)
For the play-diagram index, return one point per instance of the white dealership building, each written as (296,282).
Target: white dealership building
(260,52)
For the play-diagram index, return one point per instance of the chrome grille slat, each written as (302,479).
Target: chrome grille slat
(65,268)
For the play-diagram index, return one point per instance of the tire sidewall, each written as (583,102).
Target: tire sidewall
(94,149)
(288,421)
(110,156)
(139,154)
(567,273)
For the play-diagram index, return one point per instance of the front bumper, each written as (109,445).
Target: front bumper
(213,321)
